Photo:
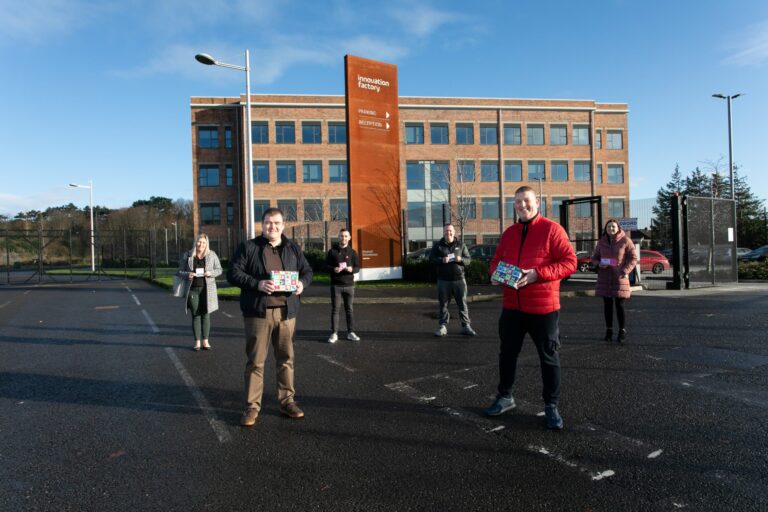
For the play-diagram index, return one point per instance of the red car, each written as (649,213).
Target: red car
(653,261)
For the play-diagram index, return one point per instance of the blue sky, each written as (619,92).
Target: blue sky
(100,90)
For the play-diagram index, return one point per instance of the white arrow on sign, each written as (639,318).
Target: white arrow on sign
(387,114)
(387,126)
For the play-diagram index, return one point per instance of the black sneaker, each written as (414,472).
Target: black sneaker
(552,415)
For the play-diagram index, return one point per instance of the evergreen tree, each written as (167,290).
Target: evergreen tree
(661,225)
(698,184)
(750,214)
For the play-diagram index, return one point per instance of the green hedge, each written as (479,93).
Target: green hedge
(426,272)
(753,270)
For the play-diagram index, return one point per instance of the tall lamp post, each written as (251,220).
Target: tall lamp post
(89,186)
(730,138)
(206,59)
(176,236)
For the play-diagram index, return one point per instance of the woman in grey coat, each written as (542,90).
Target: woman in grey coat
(200,267)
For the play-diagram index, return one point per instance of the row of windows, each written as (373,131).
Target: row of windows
(312,210)
(439,213)
(436,175)
(312,172)
(311,132)
(208,137)
(209,175)
(512,135)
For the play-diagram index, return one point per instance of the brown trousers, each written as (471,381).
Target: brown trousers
(258,334)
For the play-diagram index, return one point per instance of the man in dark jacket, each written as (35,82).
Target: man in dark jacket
(451,256)
(342,264)
(542,250)
(269,314)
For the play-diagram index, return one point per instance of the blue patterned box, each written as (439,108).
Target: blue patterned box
(507,274)
(285,280)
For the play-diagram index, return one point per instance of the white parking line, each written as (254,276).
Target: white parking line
(562,460)
(26,292)
(4,304)
(126,287)
(337,363)
(217,425)
(136,299)
(149,321)
(227,314)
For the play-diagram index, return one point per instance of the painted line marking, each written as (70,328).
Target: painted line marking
(149,321)
(655,454)
(4,304)
(126,287)
(227,314)
(337,363)
(541,450)
(470,386)
(136,299)
(107,307)
(496,429)
(26,292)
(217,425)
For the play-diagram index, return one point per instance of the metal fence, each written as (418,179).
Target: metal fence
(710,241)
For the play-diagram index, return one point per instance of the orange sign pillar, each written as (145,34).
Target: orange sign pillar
(373,159)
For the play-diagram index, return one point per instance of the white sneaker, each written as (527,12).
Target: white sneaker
(334,338)
(442,331)
(352,336)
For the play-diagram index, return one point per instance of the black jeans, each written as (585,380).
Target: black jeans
(544,330)
(457,290)
(347,294)
(608,311)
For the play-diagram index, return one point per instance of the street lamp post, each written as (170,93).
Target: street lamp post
(206,59)
(166,245)
(730,137)
(90,205)
(176,237)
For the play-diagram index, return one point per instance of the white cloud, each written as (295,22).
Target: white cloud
(15,203)
(423,20)
(35,21)
(174,16)
(370,48)
(752,48)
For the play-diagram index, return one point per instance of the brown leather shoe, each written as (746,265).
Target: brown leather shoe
(250,418)
(291,410)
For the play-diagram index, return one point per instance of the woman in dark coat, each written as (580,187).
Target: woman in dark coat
(614,256)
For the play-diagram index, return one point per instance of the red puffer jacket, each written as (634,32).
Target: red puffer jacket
(545,249)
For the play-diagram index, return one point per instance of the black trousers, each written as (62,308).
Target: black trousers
(544,330)
(341,294)
(608,311)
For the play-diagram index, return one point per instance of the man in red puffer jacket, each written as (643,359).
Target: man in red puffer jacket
(541,248)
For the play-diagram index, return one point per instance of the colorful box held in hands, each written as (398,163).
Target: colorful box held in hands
(285,280)
(507,274)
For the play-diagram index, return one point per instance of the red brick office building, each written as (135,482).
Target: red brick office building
(467,153)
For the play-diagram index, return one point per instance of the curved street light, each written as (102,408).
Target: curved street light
(89,186)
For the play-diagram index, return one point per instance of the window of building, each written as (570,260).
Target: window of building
(467,207)
(261,172)
(414,134)
(417,214)
(260,132)
(543,206)
(313,172)
(558,134)
(209,176)
(339,209)
(513,171)
(535,134)
(414,176)
(488,134)
(582,210)
(337,172)
(438,133)
(512,134)
(228,137)
(439,175)
(337,133)
(208,137)
(313,209)
(286,172)
(228,175)
(465,133)
(616,208)
(559,171)
(259,207)
(491,239)
(490,207)
(489,171)
(509,209)
(556,202)
(288,207)
(615,139)
(310,132)
(469,240)
(599,173)
(210,213)
(535,171)
(615,173)
(581,135)
(465,171)
(581,171)
(441,213)
(598,139)
(230,214)
(285,132)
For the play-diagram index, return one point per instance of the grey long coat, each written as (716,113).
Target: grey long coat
(213,266)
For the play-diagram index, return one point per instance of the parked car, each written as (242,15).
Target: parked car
(742,251)
(653,261)
(758,254)
(419,254)
(482,252)
(584,262)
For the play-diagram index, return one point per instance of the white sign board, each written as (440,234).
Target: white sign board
(628,224)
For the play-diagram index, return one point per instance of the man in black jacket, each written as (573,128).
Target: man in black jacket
(268,313)
(451,256)
(342,264)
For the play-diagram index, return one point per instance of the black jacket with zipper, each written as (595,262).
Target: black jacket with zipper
(338,255)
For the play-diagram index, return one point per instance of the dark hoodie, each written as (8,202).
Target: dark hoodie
(453,270)
(338,255)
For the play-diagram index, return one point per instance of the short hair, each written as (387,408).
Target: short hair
(449,224)
(524,189)
(345,229)
(270,212)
